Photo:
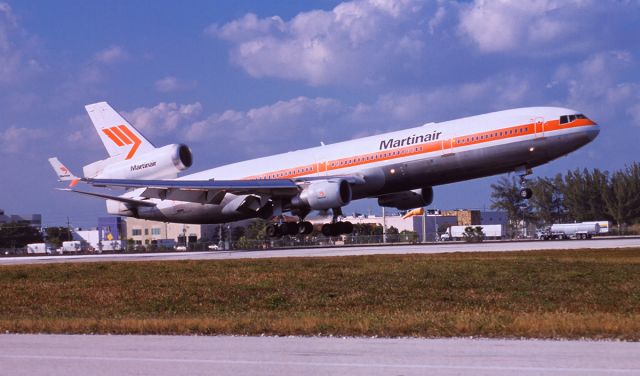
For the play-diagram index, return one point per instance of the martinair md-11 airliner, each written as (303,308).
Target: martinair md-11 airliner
(398,168)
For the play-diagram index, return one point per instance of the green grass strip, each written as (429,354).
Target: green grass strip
(539,294)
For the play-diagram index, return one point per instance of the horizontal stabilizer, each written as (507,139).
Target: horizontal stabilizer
(64,174)
(125,200)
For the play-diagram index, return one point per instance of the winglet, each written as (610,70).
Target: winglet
(63,173)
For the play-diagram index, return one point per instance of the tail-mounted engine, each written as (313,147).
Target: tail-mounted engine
(161,163)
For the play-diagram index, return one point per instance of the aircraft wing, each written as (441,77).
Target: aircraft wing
(202,191)
(125,200)
(213,191)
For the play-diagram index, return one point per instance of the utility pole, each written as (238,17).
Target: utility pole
(384,226)
(424,225)
(69,229)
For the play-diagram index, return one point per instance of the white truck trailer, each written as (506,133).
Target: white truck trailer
(75,246)
(495,232)
(40,249)
(581,230)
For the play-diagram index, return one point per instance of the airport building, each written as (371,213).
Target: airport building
(144,232)
(478,217)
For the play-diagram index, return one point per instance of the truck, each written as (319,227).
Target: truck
(75,246)
(495,232)
(581,230)
(40,249)
(604,226)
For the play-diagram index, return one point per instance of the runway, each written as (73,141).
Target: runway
(628,242)
(171,355)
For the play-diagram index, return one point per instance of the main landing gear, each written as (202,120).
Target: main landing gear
(336,227)
(525,192)
(276,230)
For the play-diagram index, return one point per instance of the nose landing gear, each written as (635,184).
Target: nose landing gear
(525,192)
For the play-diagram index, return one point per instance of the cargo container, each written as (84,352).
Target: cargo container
(75,246)
(40,249)
(494,232)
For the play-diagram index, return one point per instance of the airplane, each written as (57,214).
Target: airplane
(398,168)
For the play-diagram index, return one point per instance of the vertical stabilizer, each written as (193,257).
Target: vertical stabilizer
(118,136)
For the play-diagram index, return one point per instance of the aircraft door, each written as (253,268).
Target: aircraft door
(538,124)
(447,146)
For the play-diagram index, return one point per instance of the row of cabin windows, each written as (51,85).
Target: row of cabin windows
(283,174)
(564,119)
(492,135)
(375,156)
(345,162)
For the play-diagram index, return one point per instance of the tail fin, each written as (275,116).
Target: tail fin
(118,136)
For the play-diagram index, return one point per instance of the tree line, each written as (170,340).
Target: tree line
(577,195)
(19,234)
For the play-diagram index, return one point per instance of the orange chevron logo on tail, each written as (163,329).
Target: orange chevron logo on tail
(122,136)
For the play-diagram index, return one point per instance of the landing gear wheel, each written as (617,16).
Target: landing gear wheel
(344,227)
(291,228)
(526,193)
(327,229)
(272,230)
(282,229)
(305,228)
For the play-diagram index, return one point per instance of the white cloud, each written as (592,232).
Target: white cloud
(16,48)
(110,55)
(356,42)
(604,85)
(16,139)
(171,83)
(86,80)
(162,118)
(544,27)
(273,127)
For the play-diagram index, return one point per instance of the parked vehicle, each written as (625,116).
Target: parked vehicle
(75,246)
(40,249)
(582,230)
(495,232)
(604,226)
(164,243)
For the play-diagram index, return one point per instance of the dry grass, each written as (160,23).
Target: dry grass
(544,294)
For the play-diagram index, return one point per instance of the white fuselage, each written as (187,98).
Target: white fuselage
(424,156)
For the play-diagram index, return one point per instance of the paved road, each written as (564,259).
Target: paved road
(338,251)
(175,355)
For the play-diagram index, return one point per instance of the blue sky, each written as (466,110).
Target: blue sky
(237,80)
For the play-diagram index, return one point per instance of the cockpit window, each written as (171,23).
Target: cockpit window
(564,119)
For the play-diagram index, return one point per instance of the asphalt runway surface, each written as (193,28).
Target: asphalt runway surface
(175,355)
(627,242)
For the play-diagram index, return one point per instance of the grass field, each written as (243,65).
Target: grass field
(543,294)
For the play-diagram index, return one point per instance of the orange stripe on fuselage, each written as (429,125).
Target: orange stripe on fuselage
(417,149)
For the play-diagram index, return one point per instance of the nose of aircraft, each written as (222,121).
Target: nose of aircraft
(593,131)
